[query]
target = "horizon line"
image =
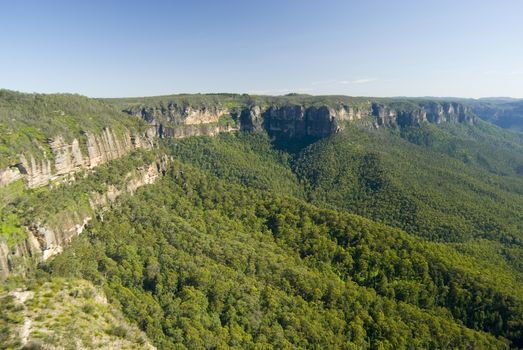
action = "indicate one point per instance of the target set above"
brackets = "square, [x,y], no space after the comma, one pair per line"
[253,93]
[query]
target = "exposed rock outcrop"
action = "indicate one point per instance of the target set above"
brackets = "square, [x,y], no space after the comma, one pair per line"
[397,115]
[8,175]
[66,158]
[298,120]
[180,121]
[287,120]
[46,239]
[179,114]
[183,131]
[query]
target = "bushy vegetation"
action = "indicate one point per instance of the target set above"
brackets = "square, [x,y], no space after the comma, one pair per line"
[220,264]
[226,251]
[449,188]
[65,314]
[28,120]
[382,239]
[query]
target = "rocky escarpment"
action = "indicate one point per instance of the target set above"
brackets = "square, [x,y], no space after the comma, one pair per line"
[180,121]
[178,114]
[279,120]
[297,120]
[67,158]
[401,115]
[48,236]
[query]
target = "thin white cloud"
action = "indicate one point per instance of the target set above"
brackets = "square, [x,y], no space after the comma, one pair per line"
[363,81]
[316,86]
[343,82]
[358,81]
[505,73]
[280,91]
[324,82]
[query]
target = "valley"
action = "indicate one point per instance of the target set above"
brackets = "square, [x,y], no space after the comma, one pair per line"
[296,221]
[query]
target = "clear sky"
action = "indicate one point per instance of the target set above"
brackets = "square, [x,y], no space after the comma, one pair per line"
[468,48]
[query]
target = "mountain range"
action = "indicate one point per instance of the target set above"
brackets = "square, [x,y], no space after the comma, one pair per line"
[240,221]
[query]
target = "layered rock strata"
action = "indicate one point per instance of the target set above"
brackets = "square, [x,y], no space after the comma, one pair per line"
[67,158]
[295,120]
[46,239]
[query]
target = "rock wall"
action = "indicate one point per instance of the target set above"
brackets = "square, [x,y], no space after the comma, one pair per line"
[69,158]
[295,120]
[289,120]
[178,114]
[46,239]
[195,130]
[8,175]
[300,121]
[431,112]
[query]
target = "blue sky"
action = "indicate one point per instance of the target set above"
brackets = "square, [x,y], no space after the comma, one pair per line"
[374,47]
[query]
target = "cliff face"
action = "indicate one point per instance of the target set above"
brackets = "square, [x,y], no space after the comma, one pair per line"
[297,120]
[286,121]
[398,116]
[60,160]
[177,114]
[182,121]
[182,131]
[69,158]
[45,239]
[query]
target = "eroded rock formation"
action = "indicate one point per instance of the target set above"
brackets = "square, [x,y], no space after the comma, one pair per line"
[48,238]
[396,115]
[60,160]
[67,158]
[296,120]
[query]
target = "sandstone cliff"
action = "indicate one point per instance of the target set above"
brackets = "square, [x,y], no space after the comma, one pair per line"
[48,236]
[59,160]
[67,158]
[179,121]
[284,119]
[400,115]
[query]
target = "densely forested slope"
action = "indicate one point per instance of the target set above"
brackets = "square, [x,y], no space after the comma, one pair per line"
[401,237]
[208,263]
[225,251]
[443,183]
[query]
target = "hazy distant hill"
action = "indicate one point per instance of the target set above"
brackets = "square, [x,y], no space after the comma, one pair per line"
[504,112]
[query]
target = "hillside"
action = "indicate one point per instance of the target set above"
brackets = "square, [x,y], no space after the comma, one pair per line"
[216,221]
[506,113]
[64,314]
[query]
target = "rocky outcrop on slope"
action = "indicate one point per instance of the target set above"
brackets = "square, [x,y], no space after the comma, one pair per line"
[285,120]
[400,115]
[178,114]
[8,175]
[180,121]
[65,314]
[298,120]
[67,158]
[46,239]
